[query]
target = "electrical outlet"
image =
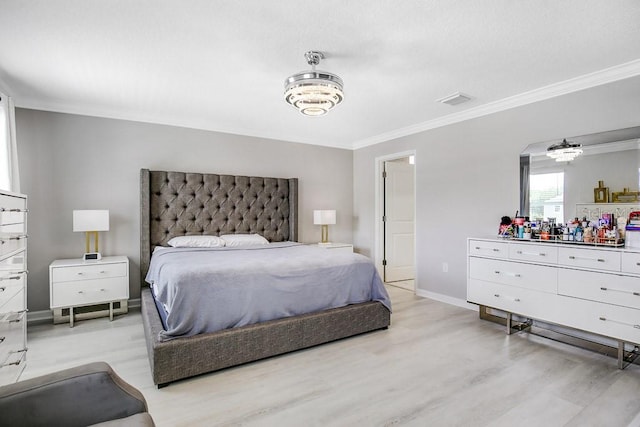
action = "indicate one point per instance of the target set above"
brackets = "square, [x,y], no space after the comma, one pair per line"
[445,267]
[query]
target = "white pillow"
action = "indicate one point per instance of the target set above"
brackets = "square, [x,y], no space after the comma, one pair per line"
[238,240]
[196,241]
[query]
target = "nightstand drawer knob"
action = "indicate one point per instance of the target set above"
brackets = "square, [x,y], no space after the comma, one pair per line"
[102,272]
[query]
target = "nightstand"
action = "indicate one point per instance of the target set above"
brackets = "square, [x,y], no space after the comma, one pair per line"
[341,247]
[76,283]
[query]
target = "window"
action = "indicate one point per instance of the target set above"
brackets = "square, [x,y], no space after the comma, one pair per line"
[546,196]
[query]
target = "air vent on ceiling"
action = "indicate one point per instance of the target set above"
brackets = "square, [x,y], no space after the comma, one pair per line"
[455,99]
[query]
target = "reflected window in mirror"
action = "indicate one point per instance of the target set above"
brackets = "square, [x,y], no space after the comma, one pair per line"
[546,197]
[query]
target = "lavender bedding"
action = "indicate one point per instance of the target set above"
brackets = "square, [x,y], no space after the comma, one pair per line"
[211,289]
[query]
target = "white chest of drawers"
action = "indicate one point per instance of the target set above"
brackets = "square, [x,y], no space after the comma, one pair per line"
[13,284]
[593,289]
[76,283]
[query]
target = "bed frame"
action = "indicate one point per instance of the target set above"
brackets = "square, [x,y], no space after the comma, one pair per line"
[179,203]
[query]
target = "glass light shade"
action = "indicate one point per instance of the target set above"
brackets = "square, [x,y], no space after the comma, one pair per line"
[91,220]
[314,93]
[324,217]
[565,151]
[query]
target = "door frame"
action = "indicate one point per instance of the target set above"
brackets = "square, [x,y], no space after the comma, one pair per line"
[378,239]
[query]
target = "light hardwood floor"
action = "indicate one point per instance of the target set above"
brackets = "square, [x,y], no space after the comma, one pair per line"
[437,365]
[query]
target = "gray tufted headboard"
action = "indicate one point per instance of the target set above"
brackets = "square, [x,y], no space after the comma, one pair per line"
[181,203]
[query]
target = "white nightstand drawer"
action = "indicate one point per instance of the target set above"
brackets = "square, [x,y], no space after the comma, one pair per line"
[535,277]
[88,272]
[602,287]
[631,262]
[533,252]
[488,248]
[88,292]
[590,258]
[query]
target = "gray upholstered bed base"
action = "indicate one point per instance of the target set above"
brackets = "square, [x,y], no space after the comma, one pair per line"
[178,203]
[186,357]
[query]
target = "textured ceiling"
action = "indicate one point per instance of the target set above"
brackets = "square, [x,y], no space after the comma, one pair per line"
[220,65]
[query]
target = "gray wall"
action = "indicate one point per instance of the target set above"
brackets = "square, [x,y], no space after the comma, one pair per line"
[467,174]
[72,162]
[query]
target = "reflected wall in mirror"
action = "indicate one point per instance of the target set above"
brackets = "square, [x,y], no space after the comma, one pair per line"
[565,190]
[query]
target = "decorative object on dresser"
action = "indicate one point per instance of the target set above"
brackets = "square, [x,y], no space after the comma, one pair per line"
[601,193]
[13,286]
[592,290]
[163,216]
[91,222]
[324,218]
[625,196]
[91,287]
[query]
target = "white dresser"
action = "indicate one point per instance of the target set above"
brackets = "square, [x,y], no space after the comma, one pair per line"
[77,283]
[13,286]
[593,289]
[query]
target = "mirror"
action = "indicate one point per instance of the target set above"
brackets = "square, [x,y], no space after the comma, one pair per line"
[605,178]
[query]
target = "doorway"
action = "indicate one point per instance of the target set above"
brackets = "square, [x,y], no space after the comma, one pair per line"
[396,245]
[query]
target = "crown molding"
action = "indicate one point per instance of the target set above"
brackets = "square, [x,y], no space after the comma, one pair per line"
[586,81]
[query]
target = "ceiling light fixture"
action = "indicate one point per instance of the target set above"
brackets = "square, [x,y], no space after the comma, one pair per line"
[564,151]
[313,92]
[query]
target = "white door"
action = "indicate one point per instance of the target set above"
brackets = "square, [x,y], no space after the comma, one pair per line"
[399,208]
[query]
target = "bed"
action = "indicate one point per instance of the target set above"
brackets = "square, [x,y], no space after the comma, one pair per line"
[179,203]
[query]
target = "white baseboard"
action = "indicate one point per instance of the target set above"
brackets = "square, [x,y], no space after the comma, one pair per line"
[46,316]
[446,299]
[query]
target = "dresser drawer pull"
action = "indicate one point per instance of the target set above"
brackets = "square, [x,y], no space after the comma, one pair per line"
[620,290]
[97,290]
[531,253]
[586,258]
[11,278]
[604,319]
[13,210]
[2,339]
[3,288]
[511,298]
[478,248]
[508,274]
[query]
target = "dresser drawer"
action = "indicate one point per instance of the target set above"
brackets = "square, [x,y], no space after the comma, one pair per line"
[12,334]
[10,286]
[87,272]
[617,322]
[526,302]
[12,209]
[528,276]
[589,258]
[488,248]
[602,287]
[13,366]
[69,294]
[536,253]
[631,262]
[12,242]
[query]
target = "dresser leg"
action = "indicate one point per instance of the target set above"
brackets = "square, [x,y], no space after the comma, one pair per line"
[71,317]
[111,311]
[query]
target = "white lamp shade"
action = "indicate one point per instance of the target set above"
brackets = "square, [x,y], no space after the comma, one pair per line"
[324,217]
[91,220]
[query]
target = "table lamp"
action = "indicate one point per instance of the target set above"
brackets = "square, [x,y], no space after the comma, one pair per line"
[91,222]
[324,218]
